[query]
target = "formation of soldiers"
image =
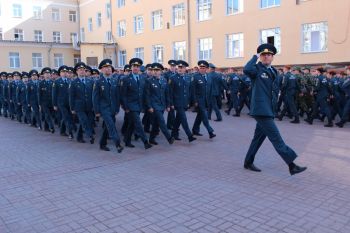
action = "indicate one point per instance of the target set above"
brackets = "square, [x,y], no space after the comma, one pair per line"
[74,99]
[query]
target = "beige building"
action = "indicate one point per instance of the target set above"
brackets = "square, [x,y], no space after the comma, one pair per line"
[224,32]
[38,33]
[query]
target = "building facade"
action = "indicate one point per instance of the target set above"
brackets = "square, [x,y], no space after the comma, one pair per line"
[35,34]
[224,32]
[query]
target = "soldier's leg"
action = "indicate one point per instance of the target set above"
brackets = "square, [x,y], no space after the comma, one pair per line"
[257,141]
[159,117]
[269,128]
[204,118]
[171,119]
[215,107]
[176,125]
[104,136]
[184,123]
[110,125]
[84,125]
[197,122]
[136,121]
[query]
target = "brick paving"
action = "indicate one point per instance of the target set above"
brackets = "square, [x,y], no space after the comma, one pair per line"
[50,184]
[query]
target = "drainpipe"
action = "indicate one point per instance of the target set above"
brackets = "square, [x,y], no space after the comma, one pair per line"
[189,33]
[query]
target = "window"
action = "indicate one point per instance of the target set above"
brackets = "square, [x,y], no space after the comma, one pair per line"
[158,53]
[204,9]
[234,6]
[272,36]
[37,60]
[38,36]
[1,35]
[76,59]
[14,60]
[17,10]
[56,14]
[179,14]
[108,36]
[73,37]
[205,48]
[121,28]
[108,10]
[72,16]
[180,50]
[37,13]
[18,34]
[138,24]
[120,3]
[99,19]
[56,37]
[315,37]
[157,20]
[269,3]
[90,24]
[121,58]
[139,52]
[234,45]
[58,59]
[82,34]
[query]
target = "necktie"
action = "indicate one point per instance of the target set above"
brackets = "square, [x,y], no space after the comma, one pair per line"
[109,80]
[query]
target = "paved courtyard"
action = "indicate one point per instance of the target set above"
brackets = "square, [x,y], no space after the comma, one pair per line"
[50,184]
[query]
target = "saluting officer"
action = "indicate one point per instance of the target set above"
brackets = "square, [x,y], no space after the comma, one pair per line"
[106,103]
[263,109]
[157,100]
[132,94]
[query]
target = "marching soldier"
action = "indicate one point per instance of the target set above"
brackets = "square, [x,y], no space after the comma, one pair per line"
[60,98]
[2,102]
[45,98]
[172,71]
[346,89]
[106,103]
[263,109]
[233,87]
[32,98]
[80,102]
[132,94]
[218,84]
[157,100]
[180,98]
[202,89]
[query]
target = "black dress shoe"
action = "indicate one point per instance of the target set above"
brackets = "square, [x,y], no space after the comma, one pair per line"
[340,124]
[147,145]
[295,121]
[191,139]
[296,169]
[120,148]
[279,117]
[171,140]
[52,130]
[237,115]
[104,148]
[251,167]
[64,134]
[81,140]
[227,112]
[177,138]
[218,120]
[308,121]
[129,145]
[330,124]
[92,140]
[153,142]
[212,135]
[70,137]
[197,134]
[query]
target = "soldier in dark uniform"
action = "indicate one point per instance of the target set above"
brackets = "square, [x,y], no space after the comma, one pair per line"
[215,95]
[106,103]
[21,99]
[233,83]
[60,98]
[290,88]
[126,72]
[345,86]
[2,102]
[6,95]
[80,102]
[32,98]
[157,98]
[95,74]
[45,98]
[180,98]
[132,94]
[263,109]
[322,92]
[202,85]
[12,94]
[171,71]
